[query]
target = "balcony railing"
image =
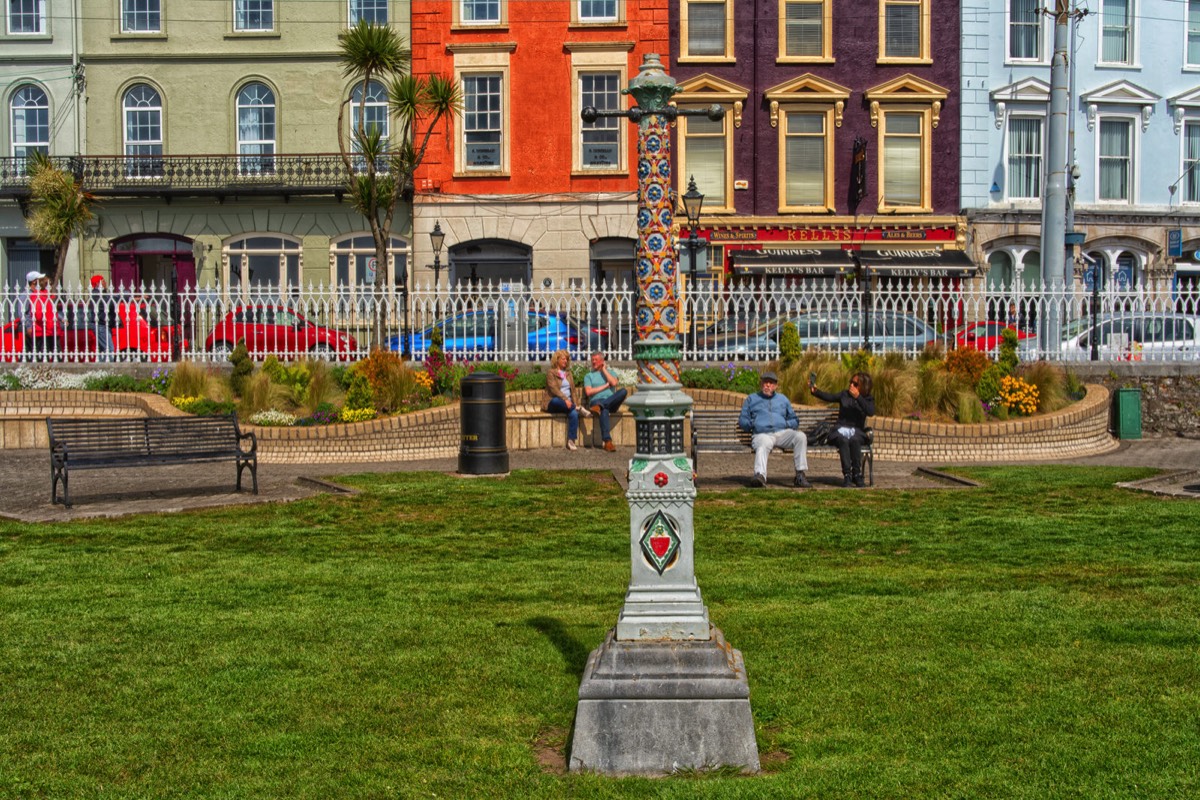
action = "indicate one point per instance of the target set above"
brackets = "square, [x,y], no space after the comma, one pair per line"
[196,175]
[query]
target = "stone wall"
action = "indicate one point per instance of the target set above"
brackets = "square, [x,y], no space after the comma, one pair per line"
[1170,394]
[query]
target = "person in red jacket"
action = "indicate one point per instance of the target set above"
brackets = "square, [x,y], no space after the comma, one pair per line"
[42,328]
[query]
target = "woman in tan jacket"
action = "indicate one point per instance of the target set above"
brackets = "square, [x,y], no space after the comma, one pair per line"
[560,395]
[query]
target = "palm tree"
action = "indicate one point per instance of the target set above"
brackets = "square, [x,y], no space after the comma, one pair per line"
[381,169]
[60,208]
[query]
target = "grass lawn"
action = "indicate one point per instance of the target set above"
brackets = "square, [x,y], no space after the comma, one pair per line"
[1038,637]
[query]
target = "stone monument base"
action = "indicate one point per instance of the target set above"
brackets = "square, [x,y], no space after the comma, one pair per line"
[650,708]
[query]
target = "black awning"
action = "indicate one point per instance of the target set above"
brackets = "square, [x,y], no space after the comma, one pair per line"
[797,262]
[918,263]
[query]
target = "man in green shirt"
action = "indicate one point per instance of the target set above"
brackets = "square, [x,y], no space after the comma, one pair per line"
[603,395]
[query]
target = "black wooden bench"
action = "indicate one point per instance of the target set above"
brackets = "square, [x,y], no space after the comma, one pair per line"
[146,442]
[716,431]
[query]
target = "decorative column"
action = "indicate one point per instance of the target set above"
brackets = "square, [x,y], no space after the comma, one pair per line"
[664,691]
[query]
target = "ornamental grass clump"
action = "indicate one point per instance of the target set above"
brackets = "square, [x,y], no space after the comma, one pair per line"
[1051,384]
[1020,397]
[190,380]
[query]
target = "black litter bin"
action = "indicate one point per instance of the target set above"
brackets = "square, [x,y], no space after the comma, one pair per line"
[484,450]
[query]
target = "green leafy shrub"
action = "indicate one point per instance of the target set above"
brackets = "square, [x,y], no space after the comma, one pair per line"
[858,361]
[357,414]
[112,383]
[243,367]
[359,395]
[704,378]
[789,345]
[203,406]
[324,414]
[341,375]
[1075,387]
[1008,358]
[526,380]
[988,386]
[273,368]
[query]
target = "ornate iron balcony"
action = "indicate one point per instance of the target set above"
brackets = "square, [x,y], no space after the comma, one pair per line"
[197,175]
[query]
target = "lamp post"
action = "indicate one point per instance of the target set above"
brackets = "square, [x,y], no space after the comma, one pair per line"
[437,239]
[1095,335]
[693,201]
[664,691]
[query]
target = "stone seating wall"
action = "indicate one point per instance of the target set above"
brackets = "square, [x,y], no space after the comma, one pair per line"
[1079,430]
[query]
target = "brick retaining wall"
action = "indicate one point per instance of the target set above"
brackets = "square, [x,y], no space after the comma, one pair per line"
[1079,430]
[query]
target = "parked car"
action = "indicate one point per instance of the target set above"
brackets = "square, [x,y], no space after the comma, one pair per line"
[1134,337]
[842,331]
[985,336]
[474,334]
[270,329]
[137,335]
[738,335]
[74,344]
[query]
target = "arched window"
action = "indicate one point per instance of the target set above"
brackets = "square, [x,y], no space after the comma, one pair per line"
[143,132]
[353,260]
[263,261]
[374,114]
[30,122]
[1000,271]
[256,129]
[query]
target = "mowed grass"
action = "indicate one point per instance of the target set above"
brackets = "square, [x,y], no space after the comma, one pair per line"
[1037,637]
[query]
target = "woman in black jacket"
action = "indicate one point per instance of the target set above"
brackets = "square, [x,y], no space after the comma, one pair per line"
[854,406]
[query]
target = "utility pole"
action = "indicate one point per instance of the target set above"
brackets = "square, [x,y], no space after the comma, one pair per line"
[1054,203]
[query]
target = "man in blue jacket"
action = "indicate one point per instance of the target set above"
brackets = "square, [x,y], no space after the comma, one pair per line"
[770,417]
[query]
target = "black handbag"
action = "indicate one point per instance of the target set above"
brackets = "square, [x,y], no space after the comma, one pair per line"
[821,432]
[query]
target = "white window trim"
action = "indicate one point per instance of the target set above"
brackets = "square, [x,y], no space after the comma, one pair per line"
[485,59]
[597,61]
[578,20]
[350,12]
[1134,51]
[1134,152]
[457,22]
[43,22]
[924,56]
[1192,119]
[1187,66]
[826,56]
[1047,31]
[728,57]
[343,246]
[12,129]
[159,31]
[254,31]
[1019,113]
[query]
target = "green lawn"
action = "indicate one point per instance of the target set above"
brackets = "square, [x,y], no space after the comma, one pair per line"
[1038,637]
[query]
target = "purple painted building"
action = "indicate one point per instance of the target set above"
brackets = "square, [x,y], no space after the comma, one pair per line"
[841,134]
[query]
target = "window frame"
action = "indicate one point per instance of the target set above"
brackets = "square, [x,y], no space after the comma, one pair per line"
[826,113]
[265,161]
[923,32]
[1008,155]
[710,206]
[353,19]
[685,56]
[1043,33]
[371,104]
[160,142]
[578,166]
[126,12]
[1191,176]
[241,5]
[461,167]
[925,190]
[577,17]
[826,55]
[28,146]
[1131,28]
[38,13]
[1132,122]
[1191,22]
[458,20]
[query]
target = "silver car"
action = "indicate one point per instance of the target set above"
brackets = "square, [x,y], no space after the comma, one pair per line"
[1134,337]
[842,331]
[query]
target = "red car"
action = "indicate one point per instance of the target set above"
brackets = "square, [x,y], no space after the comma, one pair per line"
[279,331]
[985,336]
[74,345]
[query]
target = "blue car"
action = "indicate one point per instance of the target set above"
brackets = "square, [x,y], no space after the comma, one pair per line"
[534,336]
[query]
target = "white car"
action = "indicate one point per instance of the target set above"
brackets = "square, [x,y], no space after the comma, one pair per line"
[1134,337]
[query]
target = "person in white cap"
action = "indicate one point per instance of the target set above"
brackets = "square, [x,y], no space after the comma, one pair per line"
[24,310]
[41,329]
[770,417]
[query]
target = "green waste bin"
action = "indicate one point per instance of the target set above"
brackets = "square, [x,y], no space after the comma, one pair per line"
[1129,414]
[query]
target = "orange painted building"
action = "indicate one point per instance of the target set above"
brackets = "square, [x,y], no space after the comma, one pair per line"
[524,191]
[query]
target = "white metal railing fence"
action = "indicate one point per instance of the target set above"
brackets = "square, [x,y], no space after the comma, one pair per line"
[492,322]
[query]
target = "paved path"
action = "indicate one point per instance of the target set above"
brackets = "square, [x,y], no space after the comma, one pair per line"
[25,478]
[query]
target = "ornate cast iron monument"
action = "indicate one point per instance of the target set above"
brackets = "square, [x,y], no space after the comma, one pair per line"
[664,691]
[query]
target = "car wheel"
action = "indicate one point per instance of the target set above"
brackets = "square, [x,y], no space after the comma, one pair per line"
[221,351]
[322,351]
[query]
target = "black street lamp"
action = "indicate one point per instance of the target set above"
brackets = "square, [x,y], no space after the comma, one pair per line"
[693,201]
[437,238]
